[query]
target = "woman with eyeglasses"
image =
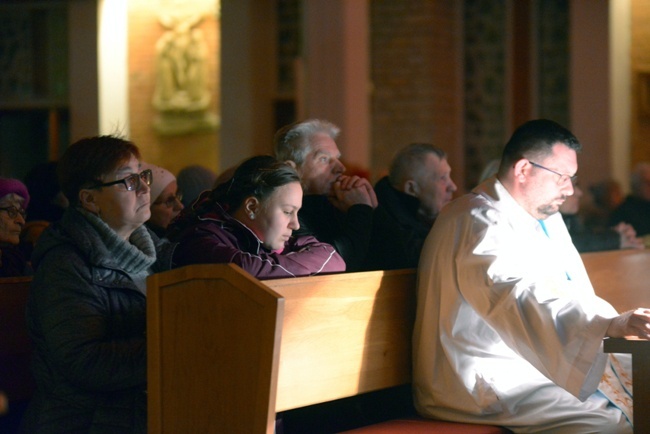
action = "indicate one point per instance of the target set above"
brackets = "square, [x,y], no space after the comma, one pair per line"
[249,221]
[87,306]
[14,199]
[165,199]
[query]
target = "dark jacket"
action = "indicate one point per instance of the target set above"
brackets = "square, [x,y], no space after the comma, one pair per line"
[348,232]
[218,238]
[398,234]
[87,318]
[587,240]
[13,261]
[633,211]
[159,231]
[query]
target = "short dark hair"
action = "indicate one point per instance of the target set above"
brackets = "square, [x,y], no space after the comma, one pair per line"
[86,161]
[409,159]
[535,139]
[293,142]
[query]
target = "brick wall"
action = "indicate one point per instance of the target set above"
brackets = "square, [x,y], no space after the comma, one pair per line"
[415,79]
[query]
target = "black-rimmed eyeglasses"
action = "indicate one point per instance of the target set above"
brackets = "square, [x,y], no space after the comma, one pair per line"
[131,182]
[562,178]
[13,212]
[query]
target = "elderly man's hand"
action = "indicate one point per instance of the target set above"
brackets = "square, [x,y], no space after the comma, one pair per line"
[352,190]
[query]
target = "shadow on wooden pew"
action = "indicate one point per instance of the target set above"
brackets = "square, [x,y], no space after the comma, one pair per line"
[16,380]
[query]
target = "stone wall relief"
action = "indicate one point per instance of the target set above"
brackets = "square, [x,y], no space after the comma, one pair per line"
[181,96]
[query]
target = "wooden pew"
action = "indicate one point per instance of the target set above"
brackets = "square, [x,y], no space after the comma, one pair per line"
[227,351]
[16,381]
[622,277]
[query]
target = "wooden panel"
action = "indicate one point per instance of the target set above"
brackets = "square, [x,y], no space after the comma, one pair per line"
[215,357]
[213,340]
[344,334]
[15,346]
[620,276]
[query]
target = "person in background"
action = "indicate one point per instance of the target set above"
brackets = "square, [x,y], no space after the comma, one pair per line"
[46,205]
[47,200]
[249,221]
[337,209]
[508,329]
[606,196]
[14,199]
[192,181]
[86,313]
[635,209]
[419,184]
[166,201]
[621,236]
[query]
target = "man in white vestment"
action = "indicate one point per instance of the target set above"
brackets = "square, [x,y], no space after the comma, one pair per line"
[508,329]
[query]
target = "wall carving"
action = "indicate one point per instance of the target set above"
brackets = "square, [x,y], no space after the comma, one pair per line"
[181,96]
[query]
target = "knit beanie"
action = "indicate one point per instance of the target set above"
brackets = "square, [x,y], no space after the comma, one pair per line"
[161,179]
[10,185]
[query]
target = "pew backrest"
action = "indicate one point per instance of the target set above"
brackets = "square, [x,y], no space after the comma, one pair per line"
[344,334]
[16,379]
[226,351]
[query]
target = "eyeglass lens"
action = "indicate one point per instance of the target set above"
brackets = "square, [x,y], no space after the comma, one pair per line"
[133,182]
[13,212]
[171,200]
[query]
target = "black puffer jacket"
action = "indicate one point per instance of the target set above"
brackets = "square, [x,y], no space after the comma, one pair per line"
[86,317]
[398,234]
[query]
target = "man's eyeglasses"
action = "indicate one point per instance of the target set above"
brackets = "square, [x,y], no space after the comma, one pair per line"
[170,201]
[562,178]
[13,212]
[131,182]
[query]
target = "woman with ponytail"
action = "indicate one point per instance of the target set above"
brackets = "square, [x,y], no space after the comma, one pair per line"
[248,220]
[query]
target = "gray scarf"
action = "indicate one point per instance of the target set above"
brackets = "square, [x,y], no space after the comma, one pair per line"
[135,256]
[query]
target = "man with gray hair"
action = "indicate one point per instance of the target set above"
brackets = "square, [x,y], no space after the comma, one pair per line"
[635,209]
[336,209]
[419,184]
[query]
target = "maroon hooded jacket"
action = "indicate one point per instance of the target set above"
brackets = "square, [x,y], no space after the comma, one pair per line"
[216,237]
